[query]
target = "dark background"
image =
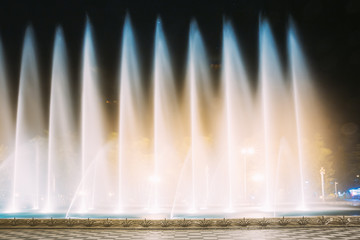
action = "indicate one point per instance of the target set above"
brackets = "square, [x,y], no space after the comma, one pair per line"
[329,32]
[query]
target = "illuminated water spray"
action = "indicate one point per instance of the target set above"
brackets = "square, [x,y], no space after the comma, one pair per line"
[130,105]
[199,90]
[281,121]
[61,126]
[237,103]
[300,83]
[92,125]
[29,125]
[164,103]
[178,146]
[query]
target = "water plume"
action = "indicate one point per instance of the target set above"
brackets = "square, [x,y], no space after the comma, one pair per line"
[92,122]
[130,126]
[236,95]
[165,112]
[200,94]
[273,94]
[30,125]
[221,145]
[62,144]
[306,104]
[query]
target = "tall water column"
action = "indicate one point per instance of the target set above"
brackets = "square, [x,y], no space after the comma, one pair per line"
[236,95]
[92,122]
[199,91]
[29,131]
[130,125]
[165,127]
[61,174]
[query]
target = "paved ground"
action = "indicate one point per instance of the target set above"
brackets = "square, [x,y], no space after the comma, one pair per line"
[273,234]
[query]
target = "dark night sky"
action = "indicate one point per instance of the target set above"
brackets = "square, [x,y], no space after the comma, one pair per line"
[329,31]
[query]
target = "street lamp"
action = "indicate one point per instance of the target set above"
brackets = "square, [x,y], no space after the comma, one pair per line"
[322,173]
[336,192]
[245,152]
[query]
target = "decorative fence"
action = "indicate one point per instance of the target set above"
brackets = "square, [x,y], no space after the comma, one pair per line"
[244,223]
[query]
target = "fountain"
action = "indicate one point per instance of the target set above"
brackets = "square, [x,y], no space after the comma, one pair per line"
[61,129]
[217,146]
[29,153]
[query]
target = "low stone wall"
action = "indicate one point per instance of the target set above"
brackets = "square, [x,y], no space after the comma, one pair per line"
[171,224]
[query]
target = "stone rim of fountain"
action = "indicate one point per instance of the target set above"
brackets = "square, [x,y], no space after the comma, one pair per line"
[181,224]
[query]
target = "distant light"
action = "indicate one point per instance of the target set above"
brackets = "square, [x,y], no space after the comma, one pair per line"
[215,66]
[248,151]
[154,179]
[355,192]
[257,177]
[251,150]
